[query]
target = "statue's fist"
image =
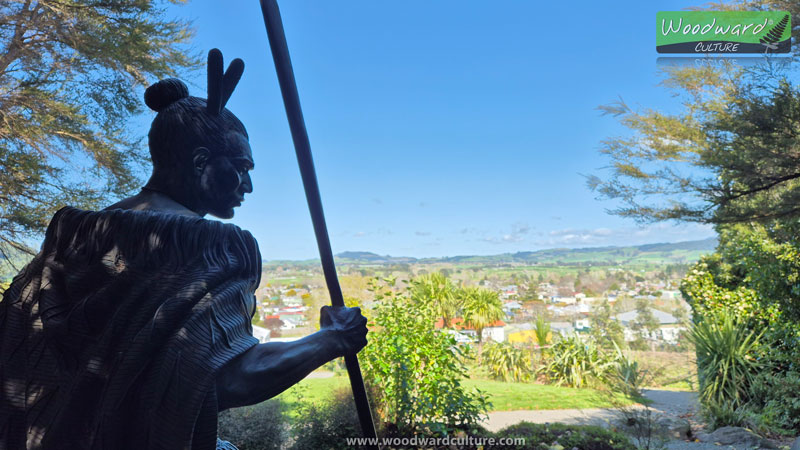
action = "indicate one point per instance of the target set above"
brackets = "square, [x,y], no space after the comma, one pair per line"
[349,328]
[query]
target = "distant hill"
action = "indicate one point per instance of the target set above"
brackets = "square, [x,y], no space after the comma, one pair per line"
[373,258]
[664,253]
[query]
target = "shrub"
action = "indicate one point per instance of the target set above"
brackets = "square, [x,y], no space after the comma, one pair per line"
[326,425]
[567,436]
[416,369]
[256,427]
[506,362]
[625,375]
[775,404]
[727,359]
[576,363]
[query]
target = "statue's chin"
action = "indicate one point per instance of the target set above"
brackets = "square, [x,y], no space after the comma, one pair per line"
[223,214]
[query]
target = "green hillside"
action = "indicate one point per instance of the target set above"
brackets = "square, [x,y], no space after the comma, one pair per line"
[663,253]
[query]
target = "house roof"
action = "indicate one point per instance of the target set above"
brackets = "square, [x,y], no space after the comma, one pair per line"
[458,324]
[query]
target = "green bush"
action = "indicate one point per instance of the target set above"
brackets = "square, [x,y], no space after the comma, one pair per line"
[775,404]
[576,363]
[506,362]
[544,436]
[415,369]
[326,425]
[753,277]
[625,375]
[257,427]
[727,359]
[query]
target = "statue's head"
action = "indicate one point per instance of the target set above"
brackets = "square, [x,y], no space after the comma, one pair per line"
[200,150]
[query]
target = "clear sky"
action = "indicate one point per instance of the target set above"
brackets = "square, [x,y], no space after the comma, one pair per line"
[441,127]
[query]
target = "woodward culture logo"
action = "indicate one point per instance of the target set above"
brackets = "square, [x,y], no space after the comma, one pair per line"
[723,32]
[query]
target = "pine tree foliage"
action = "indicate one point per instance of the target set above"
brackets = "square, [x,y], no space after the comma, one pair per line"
[730,155]
[71,75]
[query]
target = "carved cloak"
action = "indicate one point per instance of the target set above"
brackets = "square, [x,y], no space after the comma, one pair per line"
[111,337]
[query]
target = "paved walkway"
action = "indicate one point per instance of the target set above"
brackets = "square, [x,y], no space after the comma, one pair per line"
[501,419]
[675,403]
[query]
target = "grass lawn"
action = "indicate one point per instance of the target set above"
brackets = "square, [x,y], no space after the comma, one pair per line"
[504,396]
[516,396]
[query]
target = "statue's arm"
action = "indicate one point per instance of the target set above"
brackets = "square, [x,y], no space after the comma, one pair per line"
[268,369]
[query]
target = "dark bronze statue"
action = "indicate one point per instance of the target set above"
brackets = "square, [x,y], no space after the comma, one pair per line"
[131,328]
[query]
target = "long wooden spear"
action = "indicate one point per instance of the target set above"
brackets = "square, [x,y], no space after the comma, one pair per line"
[302,147]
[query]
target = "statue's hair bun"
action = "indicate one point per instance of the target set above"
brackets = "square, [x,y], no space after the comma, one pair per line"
[164,93]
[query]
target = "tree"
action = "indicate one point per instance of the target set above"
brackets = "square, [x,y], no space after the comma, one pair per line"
[273,324]
[439,291]
[645,324]
[482,308]
[71,74]
[605,330]
[729,157]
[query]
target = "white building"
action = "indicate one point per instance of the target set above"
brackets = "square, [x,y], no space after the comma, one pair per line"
[496,334]
[582,324]
[669,327]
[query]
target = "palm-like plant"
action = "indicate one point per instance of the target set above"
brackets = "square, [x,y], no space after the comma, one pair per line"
[727,358]
[575,363]
[506,362]
[482,308]
[437,289]
[542,331]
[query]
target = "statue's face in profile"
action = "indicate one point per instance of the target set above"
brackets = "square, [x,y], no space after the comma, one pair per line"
[223,177]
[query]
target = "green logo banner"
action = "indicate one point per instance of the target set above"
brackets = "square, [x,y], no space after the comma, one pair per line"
[723,32]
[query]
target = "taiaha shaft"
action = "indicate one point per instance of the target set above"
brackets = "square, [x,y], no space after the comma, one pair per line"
[302,146]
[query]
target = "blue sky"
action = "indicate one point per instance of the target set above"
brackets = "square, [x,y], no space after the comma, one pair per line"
[440,127]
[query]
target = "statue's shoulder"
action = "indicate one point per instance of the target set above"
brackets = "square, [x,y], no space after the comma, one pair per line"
[150,235]
[147,218]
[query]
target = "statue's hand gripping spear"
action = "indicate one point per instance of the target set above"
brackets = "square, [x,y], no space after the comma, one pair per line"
[291,101]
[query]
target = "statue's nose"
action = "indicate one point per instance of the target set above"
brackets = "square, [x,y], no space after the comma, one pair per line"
[247,184]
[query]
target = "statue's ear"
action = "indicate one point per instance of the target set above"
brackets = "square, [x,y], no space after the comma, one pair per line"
[200,157]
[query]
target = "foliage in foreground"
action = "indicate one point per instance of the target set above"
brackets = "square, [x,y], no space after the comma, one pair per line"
[727,361]
[417,369]
[257,427]
[72,73]
[566,436]
[776,403]
[753,278]
[328,424]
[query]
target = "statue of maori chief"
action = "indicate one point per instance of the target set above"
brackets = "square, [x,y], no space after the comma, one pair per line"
[131,327]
